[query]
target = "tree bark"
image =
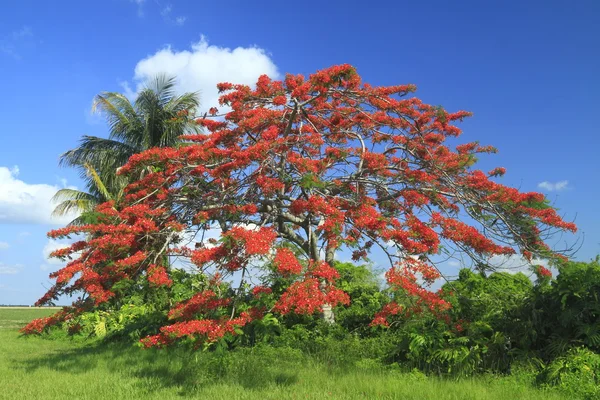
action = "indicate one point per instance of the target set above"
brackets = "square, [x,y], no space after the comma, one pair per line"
[328,315]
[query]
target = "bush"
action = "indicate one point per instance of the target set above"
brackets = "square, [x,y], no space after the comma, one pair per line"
[577,374]
[333,346]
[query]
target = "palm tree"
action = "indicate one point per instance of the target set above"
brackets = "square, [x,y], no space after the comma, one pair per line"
[72,200]
[157,118]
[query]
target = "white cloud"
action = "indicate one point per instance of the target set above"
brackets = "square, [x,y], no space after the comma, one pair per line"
[4,245]
[22,202]
[205,65]
[10,269]
[553,186]
[51,263]
[128,91]
[517,263]
[190,237]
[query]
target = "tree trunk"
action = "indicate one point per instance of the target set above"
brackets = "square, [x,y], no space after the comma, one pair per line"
[328,315]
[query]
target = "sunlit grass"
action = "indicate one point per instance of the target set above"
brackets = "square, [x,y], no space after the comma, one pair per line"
[16,317]
[36,368]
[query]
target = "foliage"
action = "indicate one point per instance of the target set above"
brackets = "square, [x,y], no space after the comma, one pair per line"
[494,313]
[502,320]
[366,297]
[577,374]
[297,171]
[568,309]
[32,367]
[498,323]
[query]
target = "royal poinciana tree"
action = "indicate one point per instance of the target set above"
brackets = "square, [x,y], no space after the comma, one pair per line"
[295,172]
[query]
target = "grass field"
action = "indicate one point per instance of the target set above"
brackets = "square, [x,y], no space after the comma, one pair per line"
[35,368]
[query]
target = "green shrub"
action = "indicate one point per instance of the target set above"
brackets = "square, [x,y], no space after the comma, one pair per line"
[577,374]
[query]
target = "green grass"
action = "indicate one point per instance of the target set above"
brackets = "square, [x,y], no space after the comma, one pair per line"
[36,368]
[16,317]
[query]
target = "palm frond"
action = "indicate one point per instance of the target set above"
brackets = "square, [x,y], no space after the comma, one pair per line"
[163,86]
[93,174]
[99,152]
[72,200]
[122,117]
[186,102]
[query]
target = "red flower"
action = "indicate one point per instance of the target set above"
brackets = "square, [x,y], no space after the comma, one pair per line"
[258,290]
[286,262]
[157,276]
[542,271]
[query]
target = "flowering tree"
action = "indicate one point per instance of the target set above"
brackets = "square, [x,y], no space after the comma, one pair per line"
[297,171]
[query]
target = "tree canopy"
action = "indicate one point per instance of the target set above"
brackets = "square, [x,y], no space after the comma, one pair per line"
[295,172]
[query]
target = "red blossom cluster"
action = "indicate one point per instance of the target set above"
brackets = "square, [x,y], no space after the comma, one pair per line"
[286,262]
[388,310]
[308,296]
[313,291]
[199,303]
[158,276]
[205,330]
[258,290]
[40,325]
[116,248]
[238,247]
[255,242]
[405,277]
[542,271]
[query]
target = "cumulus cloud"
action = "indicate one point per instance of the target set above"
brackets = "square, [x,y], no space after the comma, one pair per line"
[553,186]
[205,65]
[4,245]
[22,202]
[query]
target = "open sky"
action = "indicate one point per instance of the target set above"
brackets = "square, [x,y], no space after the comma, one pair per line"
[527,69]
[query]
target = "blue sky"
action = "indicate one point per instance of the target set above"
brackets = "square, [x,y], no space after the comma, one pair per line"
[528,71]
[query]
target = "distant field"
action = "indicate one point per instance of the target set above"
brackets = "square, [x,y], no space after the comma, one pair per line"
[36,368]
[16,317]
